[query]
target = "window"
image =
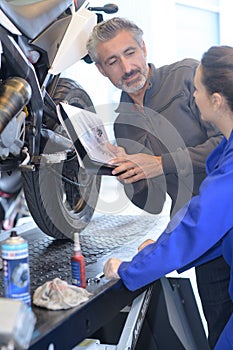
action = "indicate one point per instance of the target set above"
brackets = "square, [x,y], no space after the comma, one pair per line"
[197,28]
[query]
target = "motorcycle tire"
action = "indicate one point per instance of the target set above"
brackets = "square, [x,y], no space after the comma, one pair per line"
[62,197]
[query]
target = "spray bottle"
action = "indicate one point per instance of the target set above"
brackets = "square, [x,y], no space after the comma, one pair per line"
[78,264]
[16,268]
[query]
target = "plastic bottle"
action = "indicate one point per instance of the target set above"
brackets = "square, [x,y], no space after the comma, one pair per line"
[78,264]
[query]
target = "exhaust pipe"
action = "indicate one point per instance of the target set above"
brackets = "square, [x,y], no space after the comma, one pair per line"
[15,93]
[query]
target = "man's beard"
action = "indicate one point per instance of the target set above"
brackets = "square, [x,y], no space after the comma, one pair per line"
[134,85]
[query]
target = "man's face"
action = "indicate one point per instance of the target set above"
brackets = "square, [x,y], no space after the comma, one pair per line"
[123,61]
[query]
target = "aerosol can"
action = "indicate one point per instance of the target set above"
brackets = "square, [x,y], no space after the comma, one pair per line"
[16,268]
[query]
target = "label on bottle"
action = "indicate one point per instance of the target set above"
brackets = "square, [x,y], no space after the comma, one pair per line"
[78,271]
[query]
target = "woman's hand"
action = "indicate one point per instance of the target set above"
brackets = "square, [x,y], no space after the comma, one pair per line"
[145,243]
[111,267]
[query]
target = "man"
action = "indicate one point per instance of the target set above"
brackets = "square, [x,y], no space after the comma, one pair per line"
[160,128]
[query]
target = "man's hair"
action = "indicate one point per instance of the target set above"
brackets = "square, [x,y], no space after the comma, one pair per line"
[107,30]
[217,71]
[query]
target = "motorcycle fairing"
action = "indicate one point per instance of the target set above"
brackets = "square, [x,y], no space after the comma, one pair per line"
[62,51]
[73,45]
[32,17]
[6,23]
[50,39]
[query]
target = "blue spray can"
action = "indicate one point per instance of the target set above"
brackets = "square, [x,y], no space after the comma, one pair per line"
[16,268]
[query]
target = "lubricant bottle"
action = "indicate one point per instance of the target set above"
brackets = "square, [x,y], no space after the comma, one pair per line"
[16,268]
[78,264]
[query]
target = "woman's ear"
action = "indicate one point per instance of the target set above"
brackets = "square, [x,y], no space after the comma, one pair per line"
[216,100]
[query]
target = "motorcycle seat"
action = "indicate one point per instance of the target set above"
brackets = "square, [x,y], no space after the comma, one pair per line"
[32,17]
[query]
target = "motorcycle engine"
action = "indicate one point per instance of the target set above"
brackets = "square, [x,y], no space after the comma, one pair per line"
[12,137]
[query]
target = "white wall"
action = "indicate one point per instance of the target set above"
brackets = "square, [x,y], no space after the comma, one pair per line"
[226,23]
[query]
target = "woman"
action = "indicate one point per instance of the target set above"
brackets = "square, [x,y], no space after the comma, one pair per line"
[203,229]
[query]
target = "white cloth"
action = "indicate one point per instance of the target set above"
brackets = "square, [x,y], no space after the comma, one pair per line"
[58,295]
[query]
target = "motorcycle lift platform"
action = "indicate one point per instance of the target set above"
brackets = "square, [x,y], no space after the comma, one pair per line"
[113,315]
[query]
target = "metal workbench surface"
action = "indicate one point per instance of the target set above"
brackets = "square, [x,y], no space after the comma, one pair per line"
[50,258]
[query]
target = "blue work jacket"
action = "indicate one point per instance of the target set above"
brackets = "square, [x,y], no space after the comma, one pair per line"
[201,231]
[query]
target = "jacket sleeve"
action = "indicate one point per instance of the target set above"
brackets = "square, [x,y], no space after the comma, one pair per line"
[198,155]
[148,195]
[180,159]
[193,231]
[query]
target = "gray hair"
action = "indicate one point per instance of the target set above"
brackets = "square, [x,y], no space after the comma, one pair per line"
[107,30]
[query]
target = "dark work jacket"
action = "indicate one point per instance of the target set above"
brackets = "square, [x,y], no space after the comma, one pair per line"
[170,126]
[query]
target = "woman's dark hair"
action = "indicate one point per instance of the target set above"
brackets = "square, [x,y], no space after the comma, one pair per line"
[217,71]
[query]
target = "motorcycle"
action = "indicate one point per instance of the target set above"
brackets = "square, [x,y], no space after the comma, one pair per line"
[39,40]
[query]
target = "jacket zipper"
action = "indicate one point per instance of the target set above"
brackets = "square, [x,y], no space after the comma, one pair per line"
[170,102]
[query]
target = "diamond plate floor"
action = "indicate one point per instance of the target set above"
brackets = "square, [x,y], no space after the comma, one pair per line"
[50,258]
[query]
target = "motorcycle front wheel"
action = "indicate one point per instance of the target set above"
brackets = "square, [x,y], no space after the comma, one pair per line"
[62,197]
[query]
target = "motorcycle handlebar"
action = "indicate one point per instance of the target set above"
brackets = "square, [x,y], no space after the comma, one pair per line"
[108,8]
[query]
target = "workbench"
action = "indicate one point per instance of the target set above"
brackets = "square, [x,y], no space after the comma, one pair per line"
[50,258]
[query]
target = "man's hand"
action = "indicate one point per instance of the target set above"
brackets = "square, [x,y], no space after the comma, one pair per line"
[135,167]
[118,151]
[145,243]
[111,267]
